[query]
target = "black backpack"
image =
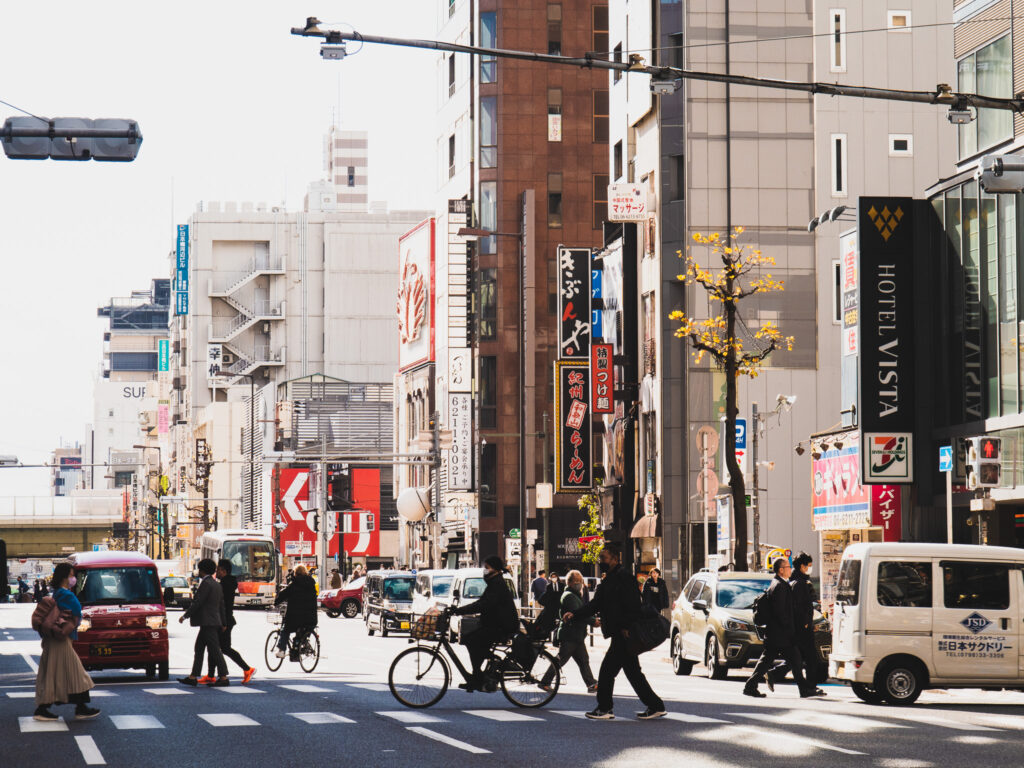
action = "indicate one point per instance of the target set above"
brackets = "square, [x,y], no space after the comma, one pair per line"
[762,609]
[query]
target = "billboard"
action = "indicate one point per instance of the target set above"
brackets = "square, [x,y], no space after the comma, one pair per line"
[838,498]
[163,355]
[298,537]
[364,520]
[574,291]
[574,430]
[460,455]
[602,372]
[181,271]
[415,302]
[885,339]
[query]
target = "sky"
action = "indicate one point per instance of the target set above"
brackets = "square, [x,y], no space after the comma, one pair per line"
[232,108]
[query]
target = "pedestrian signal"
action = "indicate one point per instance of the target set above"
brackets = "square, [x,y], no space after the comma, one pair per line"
[984,462]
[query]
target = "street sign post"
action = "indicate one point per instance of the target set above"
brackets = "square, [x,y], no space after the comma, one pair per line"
[946,467]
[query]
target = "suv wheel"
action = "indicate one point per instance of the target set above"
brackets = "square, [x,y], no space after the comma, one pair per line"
[350,608]
[716,670]
[680,665]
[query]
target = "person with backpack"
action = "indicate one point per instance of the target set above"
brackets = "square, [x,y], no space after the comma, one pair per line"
[617,601]
[61,678]
[572,636]
[804,598]
[774,611]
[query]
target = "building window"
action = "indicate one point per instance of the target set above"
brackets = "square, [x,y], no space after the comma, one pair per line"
[451,75]
[677,177]
[901,144]
[488,214]
[600,117]
[133,361]
[554,199]
[451,156]
[488,39]
[488,392]
[488,480]
[600,29]
[899,21]
[554,114]
[674,56]
[837,292]
[987,72]
[838,145]
[488,304]
[488,131]
[837,42]
[122,479]
[617,57]
[1009,352]
[351,175]
[600,199]
[617,161]
[555,29]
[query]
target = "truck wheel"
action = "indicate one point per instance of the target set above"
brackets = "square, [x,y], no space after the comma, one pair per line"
[900,681]
[866,693]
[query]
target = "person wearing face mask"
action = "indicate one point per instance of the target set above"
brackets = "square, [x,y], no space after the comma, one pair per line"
[498,621]
[572,636]
[61,677]
[617,601]
[804,598]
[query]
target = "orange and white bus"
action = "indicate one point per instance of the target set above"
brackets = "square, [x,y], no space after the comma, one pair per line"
[253,559]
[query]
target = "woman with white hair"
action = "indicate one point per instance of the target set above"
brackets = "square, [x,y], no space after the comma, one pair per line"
[572,635]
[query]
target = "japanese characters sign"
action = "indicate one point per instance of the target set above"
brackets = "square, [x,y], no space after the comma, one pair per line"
[627,202]
[574,291]
[573,433]
[885,511]
[181,271]
[839,500]
[602,373]
[460,422]
[214,360]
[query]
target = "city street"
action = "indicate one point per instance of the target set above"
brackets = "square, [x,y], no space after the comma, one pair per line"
[344,714]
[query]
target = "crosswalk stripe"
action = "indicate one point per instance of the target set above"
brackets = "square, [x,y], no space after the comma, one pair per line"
[307,688]
[30,725]
[237,689]
[942,722]
[829,721]
[21,694]
[90,751]
[168,691]
[380,687]
[223,720]
[135,722]
[684,717]
[319,718]
[503,715]
[449,740]
[96,692]
[409,716]
[741,734]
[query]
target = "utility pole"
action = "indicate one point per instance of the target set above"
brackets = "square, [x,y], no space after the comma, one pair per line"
[322,503]
[545,512]
[755,493]
[435,450]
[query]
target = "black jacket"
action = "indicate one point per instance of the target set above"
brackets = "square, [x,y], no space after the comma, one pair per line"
[617,600]
[301,598]
[780,630]
[803,601]
[496,606]
[655,594]
[207,608]
[229,586]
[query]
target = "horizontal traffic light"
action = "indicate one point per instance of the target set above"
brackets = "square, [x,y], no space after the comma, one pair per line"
[71,138]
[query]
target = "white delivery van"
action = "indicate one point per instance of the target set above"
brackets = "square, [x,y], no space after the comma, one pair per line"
[433,589]
[913,616]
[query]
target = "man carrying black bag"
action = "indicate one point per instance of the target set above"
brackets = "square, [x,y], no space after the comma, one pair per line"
[617,600]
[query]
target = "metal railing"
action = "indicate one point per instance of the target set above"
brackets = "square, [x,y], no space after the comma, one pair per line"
[229,282]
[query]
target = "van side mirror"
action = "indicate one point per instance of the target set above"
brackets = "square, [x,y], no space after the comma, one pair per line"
[701,605]
[455,593]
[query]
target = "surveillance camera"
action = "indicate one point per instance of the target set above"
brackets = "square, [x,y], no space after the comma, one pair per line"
[800,450]
[333,52]
[665,87]
[960,116]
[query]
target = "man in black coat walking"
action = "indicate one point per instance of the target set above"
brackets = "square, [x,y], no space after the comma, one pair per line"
[498,620]
[207,613]
[804,598]
[780,635]
[229,587]
[617,601]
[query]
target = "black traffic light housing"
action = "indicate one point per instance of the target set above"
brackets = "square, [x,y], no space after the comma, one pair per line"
[339,489]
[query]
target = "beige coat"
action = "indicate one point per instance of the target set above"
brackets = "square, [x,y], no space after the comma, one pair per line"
[61,673]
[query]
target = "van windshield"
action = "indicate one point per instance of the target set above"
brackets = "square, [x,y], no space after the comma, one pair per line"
[118,586]
[740,594]
[848,589]
[442,586]
[398,589]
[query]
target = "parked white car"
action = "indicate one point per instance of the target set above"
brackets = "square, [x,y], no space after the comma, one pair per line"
[467,586]
[433,589]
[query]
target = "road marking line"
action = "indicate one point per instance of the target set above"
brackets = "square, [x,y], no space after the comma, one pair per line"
[228,719]
[135,722]
[20,694]
[684,717]
[832,722]
[448,740]
[370,686]
[406,716]
[237,689]
[90,751]
[101,693]
[943,722]
[31,664]
[503,715]
[29,725]
[168,691]
[320,718]
[307,688]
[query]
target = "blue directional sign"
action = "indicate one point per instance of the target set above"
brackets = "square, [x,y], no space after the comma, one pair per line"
[945,458]
[597,324]
[741,434]
[596,283]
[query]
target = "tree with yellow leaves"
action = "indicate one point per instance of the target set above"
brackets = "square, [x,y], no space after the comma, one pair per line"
[717,337]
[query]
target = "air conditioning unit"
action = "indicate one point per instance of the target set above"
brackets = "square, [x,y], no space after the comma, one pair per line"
[227,358]
[275,311]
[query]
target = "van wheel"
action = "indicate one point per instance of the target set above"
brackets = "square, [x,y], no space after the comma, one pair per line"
[900,681]
[866,693]
[369,629]
[716,670]
[679,665]
[151,672]
[383,630]
[163,670]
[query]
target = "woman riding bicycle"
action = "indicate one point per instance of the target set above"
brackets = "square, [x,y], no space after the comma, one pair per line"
[498,620]
[301,614]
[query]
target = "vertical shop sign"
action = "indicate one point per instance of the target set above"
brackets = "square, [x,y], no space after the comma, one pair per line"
[574,431]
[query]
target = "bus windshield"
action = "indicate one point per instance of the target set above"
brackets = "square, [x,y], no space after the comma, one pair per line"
[250,560]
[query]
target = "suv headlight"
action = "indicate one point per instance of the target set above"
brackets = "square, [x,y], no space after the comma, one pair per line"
[738,625]
[85,625]
[155,622]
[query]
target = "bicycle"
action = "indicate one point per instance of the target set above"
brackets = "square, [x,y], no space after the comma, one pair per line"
[303,645]
[419,676]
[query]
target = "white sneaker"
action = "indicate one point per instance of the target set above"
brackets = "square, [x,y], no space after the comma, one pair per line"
[279,653]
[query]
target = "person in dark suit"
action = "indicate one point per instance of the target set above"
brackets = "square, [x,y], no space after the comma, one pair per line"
[229,586]
[207,613]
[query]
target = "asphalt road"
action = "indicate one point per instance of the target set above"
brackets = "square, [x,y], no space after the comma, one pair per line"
[343,714]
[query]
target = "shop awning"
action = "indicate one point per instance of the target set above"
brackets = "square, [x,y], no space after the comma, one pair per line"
[645,528]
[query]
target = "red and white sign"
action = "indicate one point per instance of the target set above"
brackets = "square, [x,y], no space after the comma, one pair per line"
[886,511]
[364,521]
[627,202]
[839,501]
[602,378]
[415,303]
[294,485]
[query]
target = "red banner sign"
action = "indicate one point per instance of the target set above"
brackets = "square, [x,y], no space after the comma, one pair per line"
[364,521]
[602,378]
[886,511]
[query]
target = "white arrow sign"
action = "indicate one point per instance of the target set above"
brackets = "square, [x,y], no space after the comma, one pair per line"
[361,523]
[288,501]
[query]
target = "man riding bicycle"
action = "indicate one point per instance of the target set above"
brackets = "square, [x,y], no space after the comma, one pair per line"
[300,617]
[498,621]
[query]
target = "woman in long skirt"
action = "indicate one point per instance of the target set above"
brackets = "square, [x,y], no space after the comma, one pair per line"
[61,678]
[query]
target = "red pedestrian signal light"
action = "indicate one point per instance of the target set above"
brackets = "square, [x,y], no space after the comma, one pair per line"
[990,448]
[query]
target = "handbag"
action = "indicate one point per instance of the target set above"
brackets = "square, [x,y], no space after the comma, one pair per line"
[50,621]
[649,631]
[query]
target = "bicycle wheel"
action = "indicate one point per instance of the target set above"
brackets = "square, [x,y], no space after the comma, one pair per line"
[309,653]
[270,650]
[419,677]
[522,686]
